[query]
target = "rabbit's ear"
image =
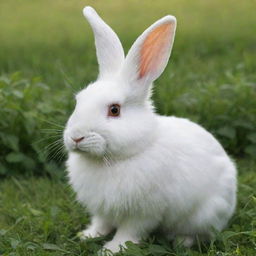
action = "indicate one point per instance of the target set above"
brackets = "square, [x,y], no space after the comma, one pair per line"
[149,55]
[110,53]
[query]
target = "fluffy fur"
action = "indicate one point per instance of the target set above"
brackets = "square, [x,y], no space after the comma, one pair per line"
[141,171]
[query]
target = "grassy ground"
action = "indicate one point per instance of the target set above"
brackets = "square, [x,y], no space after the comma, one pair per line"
[39,216]
[48,38]
[210,79]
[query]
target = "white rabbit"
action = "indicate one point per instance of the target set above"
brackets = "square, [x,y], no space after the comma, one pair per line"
[133,169]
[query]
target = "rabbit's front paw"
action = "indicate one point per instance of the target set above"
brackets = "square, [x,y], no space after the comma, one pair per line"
[90,232]
[113,246]
[97,228]
[116,245]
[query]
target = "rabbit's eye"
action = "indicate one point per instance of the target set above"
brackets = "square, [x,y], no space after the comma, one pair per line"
[114,110]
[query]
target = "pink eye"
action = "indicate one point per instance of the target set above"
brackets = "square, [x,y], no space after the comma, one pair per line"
[114,110]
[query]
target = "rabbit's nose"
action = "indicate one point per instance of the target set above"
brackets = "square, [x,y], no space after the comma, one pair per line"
[77,140]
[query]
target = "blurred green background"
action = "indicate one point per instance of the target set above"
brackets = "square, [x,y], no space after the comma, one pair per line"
[47,54]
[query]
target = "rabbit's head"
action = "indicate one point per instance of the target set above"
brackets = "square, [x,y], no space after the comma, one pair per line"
[114,116]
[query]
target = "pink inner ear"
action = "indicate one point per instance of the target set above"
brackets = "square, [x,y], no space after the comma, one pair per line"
[154,49]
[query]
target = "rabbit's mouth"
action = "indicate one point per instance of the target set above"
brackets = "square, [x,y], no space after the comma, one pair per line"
[93,144]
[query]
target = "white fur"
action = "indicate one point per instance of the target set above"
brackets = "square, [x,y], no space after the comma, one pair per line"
[142,171]
[109,49]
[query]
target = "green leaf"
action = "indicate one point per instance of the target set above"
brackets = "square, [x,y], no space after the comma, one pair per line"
[42,85]
[243,124]
[133,249]
[5,81]
[157,250]
[14,243]
[227,131]
[20,219]
[35,212]
[31,122]
[2,232]
[13,254]
[10,141]
[31,246]
[252,137]
[16,76]
[54,211]
[14,157]
[52,247]
[18,94]
[251,150]
[228,234]
[3,169]
[29,163]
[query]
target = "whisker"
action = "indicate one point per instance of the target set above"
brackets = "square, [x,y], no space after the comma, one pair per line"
[45,139]
[62,154]
[55,151]
[52,123]
[51,131]
[51,146]
[59,154]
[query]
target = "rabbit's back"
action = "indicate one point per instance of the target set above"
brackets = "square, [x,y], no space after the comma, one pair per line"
[202,176]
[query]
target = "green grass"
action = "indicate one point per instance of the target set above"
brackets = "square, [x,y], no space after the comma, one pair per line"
[39,216]
[47,54]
